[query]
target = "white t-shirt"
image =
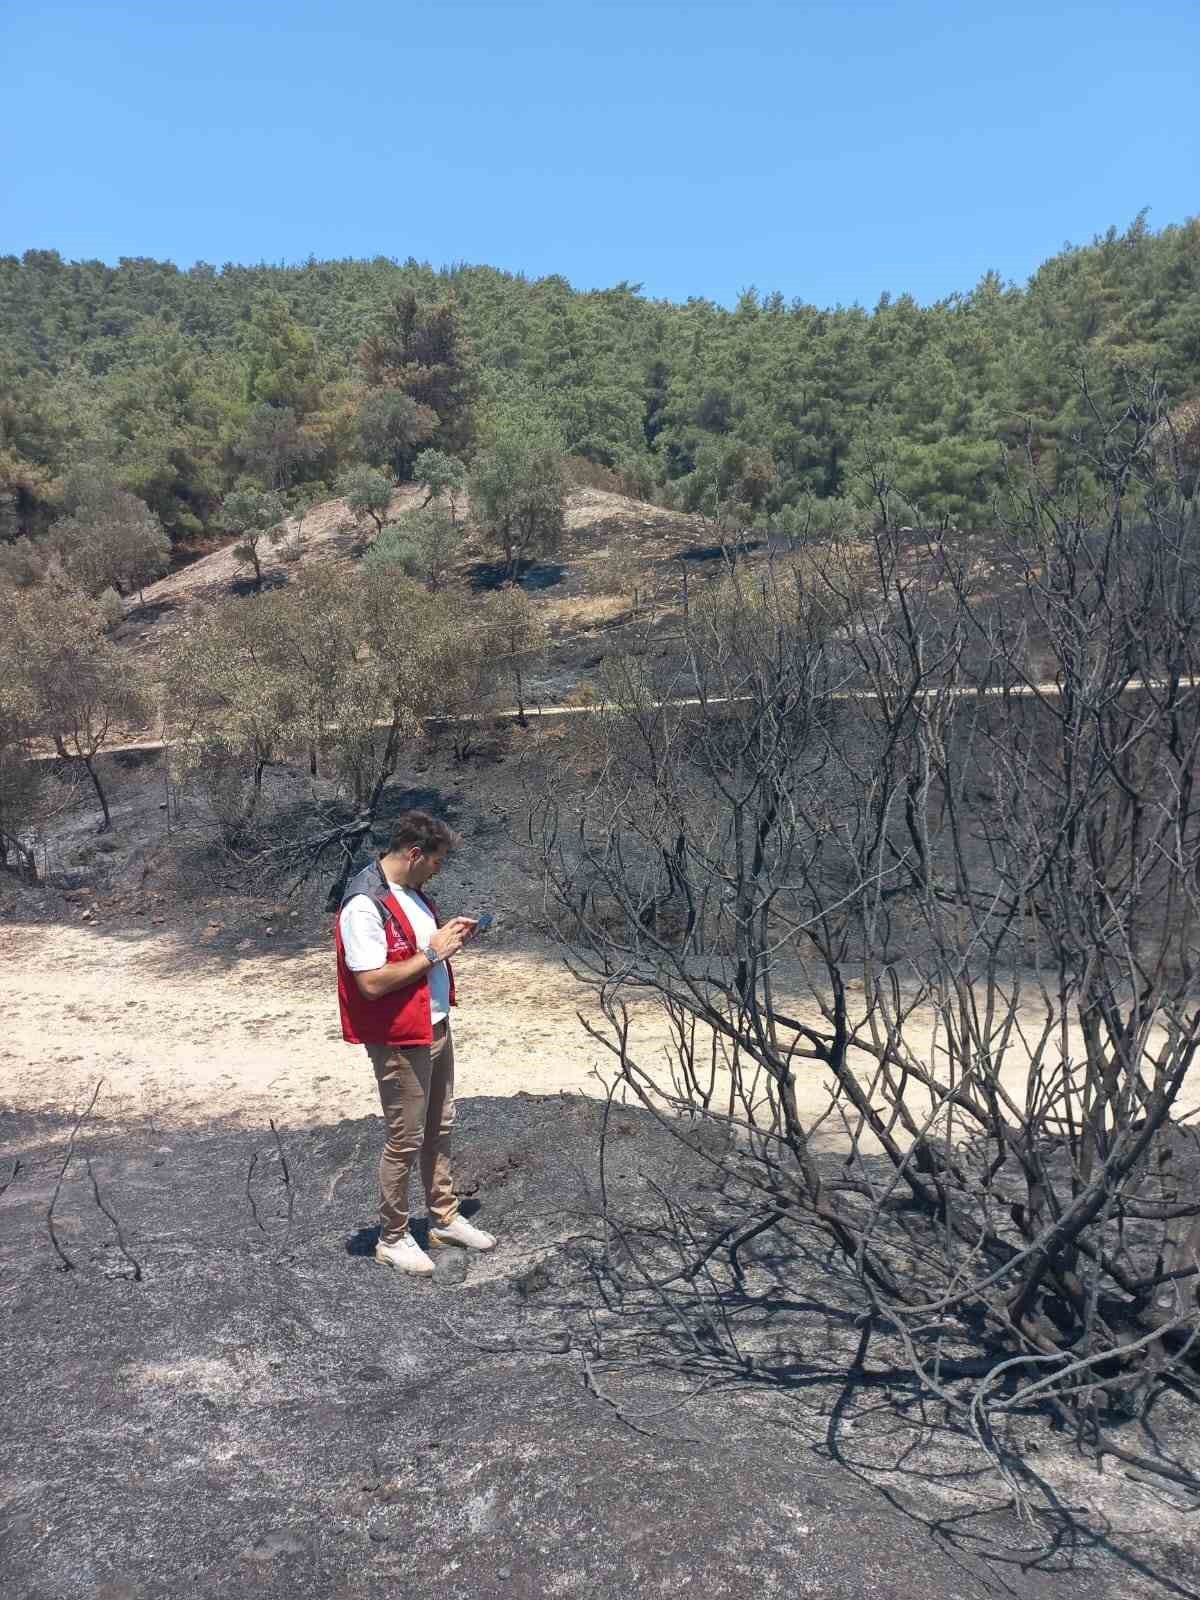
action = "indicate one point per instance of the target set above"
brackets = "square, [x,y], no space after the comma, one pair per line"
[365,942]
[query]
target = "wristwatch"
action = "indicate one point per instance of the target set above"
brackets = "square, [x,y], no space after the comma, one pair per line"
[430,954]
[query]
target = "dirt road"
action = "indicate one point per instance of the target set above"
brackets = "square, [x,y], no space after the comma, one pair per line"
[189,1033]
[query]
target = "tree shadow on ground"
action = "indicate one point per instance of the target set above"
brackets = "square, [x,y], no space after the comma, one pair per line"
[135,760]
[532,576]
[717,552]
[145,613]
[1054,1538]
[272,578]
[791,1338]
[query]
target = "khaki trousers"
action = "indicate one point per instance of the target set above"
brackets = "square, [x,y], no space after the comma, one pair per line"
[416,1089]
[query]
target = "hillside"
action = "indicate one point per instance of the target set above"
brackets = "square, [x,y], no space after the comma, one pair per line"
[614,546]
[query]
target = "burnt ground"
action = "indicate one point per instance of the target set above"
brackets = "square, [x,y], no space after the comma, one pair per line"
[268,1413]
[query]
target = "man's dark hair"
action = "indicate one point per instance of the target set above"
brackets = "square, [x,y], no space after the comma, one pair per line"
[426,833]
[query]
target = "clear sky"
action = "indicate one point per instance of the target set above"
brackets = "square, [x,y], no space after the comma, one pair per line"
[827,150]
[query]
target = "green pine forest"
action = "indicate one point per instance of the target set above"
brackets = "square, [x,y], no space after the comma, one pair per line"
[185,385]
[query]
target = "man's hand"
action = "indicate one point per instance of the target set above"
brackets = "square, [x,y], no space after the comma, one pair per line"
[450,938]
[447,941]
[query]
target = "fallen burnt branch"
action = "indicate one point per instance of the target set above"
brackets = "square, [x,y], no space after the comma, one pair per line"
[288,865]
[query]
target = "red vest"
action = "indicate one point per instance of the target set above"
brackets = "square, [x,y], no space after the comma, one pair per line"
[401,1017]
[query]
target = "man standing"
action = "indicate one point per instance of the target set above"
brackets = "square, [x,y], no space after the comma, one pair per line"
[395,989]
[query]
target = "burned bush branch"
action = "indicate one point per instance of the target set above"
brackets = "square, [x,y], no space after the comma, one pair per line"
[285,1178]
[67,1264]
[929,838]
[106,1209]
[285,1181]
[251,1201]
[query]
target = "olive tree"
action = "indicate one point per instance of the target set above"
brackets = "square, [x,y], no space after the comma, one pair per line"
[300,502]
[372,678]
[518,489]
[441,475]
[330,666]
[255,516]
[110,539]
[83,692]
[229,710]
[20,776]
[367,493]
[122,547]
[516,631]
[111,608]
[24,561]
[423,543]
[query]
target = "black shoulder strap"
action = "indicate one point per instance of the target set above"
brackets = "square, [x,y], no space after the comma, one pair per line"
[380,897]
[371,882]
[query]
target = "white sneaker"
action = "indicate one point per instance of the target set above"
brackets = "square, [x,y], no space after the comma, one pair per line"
[460,1232]
[405,1255]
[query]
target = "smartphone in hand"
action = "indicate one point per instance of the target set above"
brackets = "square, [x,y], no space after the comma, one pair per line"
[484,922]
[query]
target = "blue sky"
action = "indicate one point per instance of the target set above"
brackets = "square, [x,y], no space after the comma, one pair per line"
[830,151]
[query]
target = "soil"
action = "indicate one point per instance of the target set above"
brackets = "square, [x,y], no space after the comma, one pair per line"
[225,1394]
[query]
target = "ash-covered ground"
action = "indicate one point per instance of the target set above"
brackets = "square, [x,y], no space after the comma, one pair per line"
[266,1412]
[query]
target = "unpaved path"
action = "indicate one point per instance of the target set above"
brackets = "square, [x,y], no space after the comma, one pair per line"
[535,712]
[187,1034]
[188,1037]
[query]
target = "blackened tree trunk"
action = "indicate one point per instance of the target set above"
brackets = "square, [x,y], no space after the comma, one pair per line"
[90,764]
